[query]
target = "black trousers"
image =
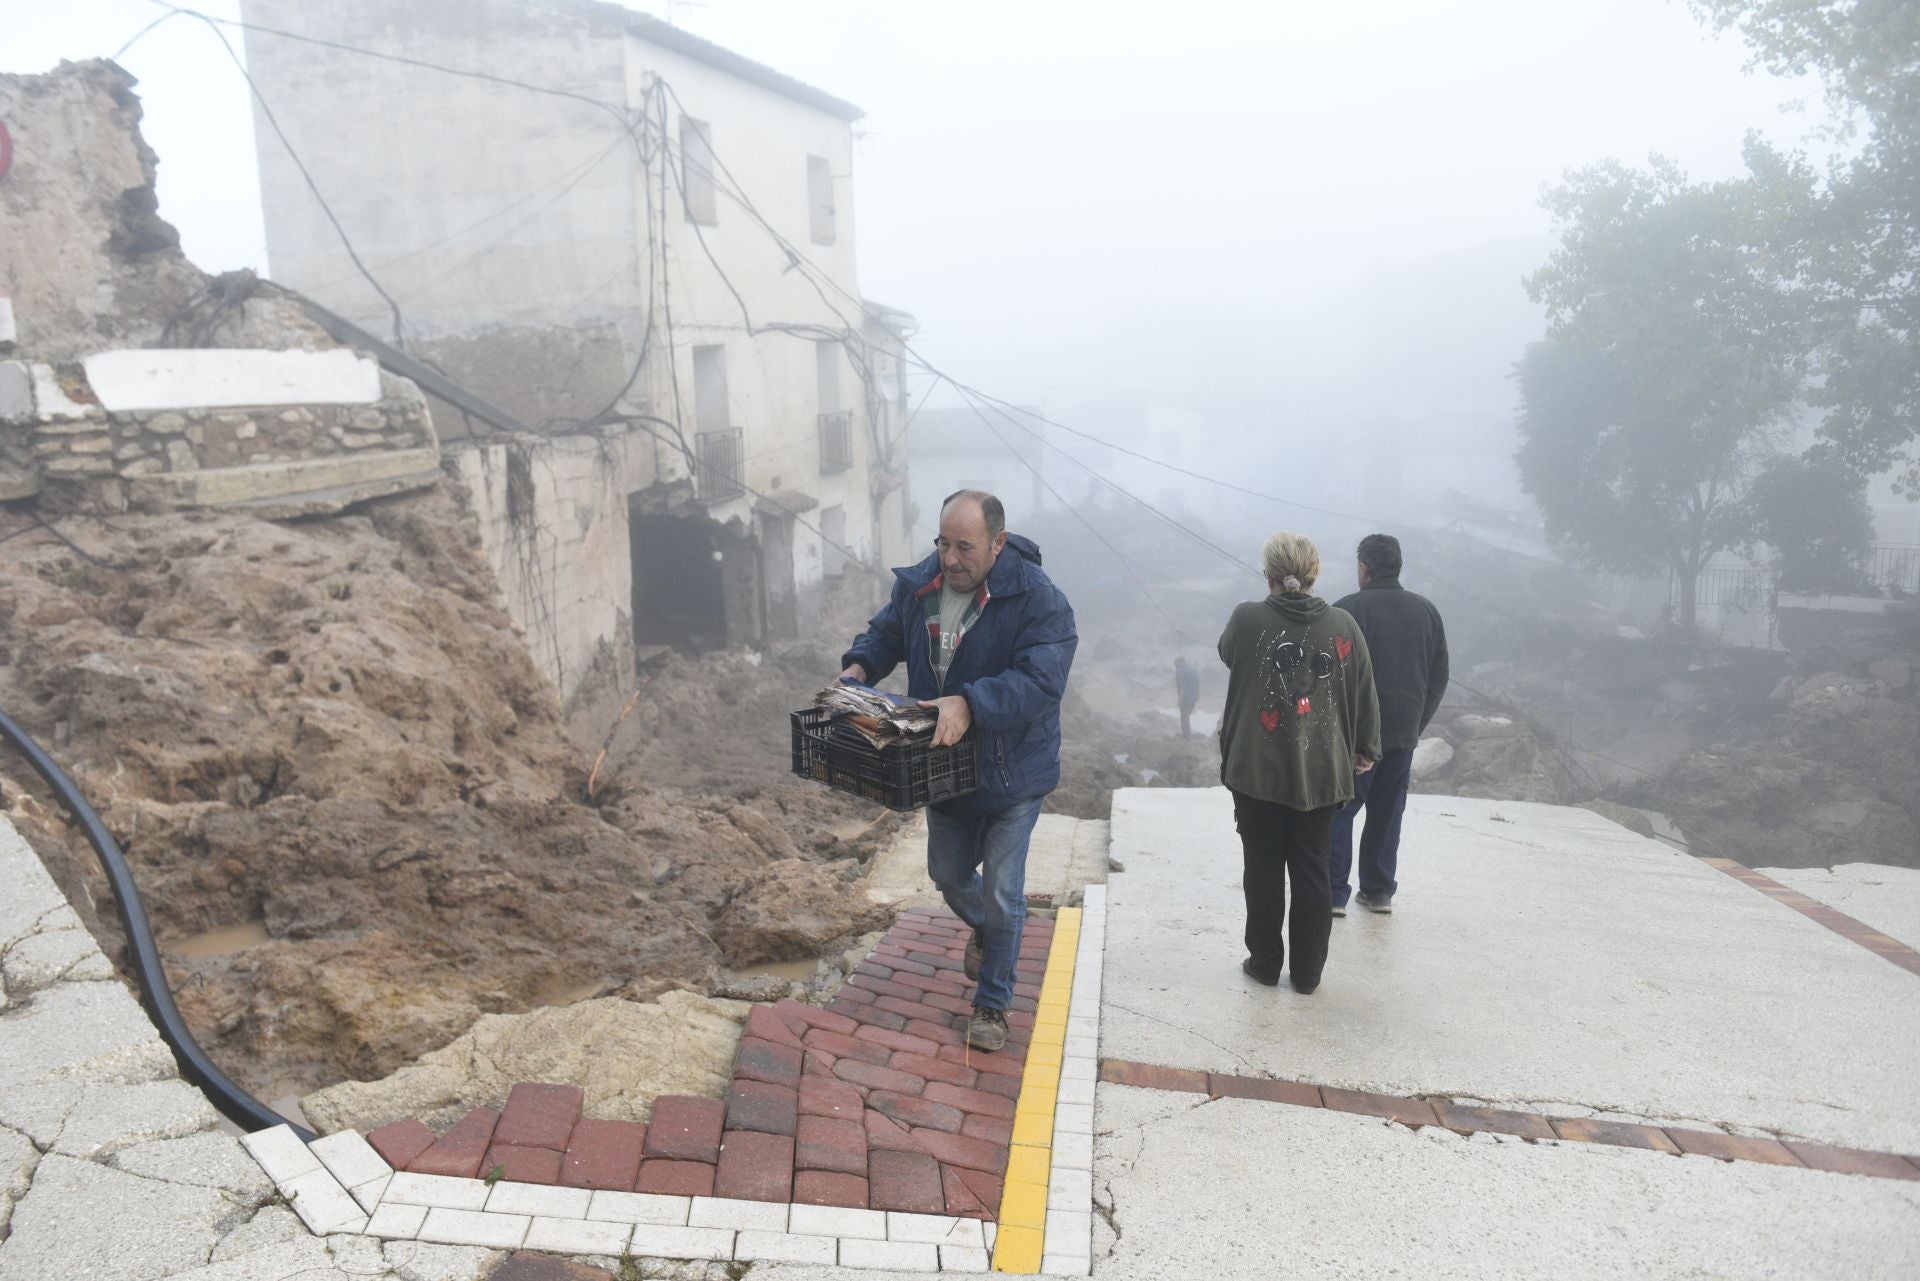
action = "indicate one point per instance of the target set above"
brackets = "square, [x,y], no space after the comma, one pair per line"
[1278,844]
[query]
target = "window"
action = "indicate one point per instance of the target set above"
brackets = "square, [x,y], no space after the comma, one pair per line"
[836,424]
[820,199]
[696,171]
[710,388]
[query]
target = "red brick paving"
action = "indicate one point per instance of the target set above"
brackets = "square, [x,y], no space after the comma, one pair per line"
[874,1101]
[754,1166]
[522,1165]
[1839,922]
[460,1150]
[603,1155]
[539,1116]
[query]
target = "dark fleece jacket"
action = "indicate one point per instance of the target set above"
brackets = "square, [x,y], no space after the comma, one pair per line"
[1409,648]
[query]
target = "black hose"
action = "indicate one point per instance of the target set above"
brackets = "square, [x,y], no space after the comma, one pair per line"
[234,1103]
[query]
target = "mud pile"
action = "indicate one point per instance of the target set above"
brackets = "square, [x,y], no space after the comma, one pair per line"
[331,729]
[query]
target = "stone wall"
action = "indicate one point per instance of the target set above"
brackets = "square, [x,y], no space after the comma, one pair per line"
[62,442]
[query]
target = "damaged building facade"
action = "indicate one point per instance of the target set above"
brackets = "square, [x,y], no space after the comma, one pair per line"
[642,249]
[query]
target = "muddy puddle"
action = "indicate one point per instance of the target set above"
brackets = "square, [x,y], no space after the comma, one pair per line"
[221,942]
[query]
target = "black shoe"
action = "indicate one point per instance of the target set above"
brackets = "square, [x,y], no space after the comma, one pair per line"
[1305,989]
[1372,904]
[987,1029]
[1246,968]
[975,954]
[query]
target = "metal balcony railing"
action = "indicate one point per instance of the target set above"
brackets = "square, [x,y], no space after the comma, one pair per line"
[836,441]
[717,469]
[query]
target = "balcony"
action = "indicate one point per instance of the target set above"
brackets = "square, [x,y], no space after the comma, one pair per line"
[718,458]
[836,441]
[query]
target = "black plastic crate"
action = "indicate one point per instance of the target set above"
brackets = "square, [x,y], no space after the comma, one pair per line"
[900,776]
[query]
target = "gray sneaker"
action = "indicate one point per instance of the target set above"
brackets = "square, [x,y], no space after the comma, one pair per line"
[1372,904]
[975,954]
[987,1029]
[1339,909]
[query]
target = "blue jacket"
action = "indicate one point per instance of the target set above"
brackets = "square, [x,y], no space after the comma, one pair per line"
[1011,667]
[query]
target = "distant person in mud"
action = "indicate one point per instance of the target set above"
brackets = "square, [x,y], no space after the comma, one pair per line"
[1186,687]
[988,640]
[1409,648]
[1300,723]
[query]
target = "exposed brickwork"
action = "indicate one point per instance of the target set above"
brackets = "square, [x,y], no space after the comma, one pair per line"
[460,1150]
[539,1116]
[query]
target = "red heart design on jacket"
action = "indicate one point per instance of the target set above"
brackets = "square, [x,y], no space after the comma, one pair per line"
[1343,647]
[1270,720]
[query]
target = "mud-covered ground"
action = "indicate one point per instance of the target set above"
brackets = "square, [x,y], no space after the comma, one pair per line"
[330,728]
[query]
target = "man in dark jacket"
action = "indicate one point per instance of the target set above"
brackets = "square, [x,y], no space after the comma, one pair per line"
[988,640]
[1409,649]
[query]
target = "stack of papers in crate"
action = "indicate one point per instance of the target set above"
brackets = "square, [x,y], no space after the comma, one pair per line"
[874,715]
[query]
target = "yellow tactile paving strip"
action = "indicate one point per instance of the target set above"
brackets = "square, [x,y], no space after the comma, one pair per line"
[1023,1202]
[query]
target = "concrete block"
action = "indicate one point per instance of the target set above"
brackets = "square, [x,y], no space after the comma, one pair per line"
[1079,1067]
[1070,1232]
[640,1207]
[784,1247]
[1084,1047]
[322,1204]
[964,1258]
[1070,1190]
[9,334]
[898,1256]
[1064,1265]
[50,401]
[280,1153]
[729,1212]
[437,1190]
[1073,1118]
[350,1158]
[397,1222]
[1072,1151]
[838,1221]
[540,1200]
[157,378]
[472,1227]
[578,1236]
[935,1229]
[370,1194]
[16,392]
[663,1242]
[1076,1091]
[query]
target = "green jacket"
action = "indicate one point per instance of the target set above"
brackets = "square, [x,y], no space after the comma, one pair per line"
[1300,702]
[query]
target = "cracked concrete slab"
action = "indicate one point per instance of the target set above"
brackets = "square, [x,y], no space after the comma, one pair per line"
[31,893]
[65,953]
[1237,1188]
[87,1031]
[1064,857]
[84,1219]
[109,1117]
[209,1159]
[1886,898]
[18,1157]
[1535,953]
[270,1225]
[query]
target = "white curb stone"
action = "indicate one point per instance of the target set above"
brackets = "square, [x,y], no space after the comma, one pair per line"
[964,1258]
[741,1216]
[539,1199]
[322,1204]
[934,1229]
[280,1153]
[785,1247]
[438,1191]
[350,1158]
[640,1207]
[838,1221]
[397,1222]
[578,1236]
[661,1241]
[472,1227]
[900,1256]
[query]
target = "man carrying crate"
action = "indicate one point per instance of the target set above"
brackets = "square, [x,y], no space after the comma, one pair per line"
[988,640]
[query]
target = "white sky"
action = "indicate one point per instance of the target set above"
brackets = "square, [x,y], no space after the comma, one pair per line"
[1094,198]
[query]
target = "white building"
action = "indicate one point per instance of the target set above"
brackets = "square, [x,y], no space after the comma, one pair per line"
[640,244]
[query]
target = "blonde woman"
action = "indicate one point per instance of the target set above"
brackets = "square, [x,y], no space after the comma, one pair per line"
[1301,720]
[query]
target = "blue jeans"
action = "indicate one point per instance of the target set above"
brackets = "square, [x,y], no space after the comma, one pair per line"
[959,850]
[1382,790]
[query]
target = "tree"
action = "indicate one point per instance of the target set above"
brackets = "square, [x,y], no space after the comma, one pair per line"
[1668,374]
[1844,247]
[1811,511]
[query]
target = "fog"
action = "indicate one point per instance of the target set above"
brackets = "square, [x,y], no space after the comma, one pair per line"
[1274,235]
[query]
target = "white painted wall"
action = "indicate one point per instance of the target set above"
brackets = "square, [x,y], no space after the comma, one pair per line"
[208,378]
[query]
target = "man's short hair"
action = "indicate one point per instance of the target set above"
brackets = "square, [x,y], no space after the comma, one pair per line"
[1380,553]
[990,508]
